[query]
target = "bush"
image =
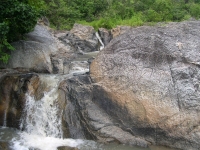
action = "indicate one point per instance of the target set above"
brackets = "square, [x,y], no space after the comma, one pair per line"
[17,17]
[153,16]
[195,10]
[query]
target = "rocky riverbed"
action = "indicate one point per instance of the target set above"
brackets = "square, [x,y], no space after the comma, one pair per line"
[142,89]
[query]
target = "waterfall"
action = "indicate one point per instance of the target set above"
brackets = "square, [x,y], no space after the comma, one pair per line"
[5,118]
[41,121]
[42,117]
[102,45]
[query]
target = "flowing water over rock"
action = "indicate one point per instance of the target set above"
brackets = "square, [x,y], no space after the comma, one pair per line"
[24,141]
[111,100]
[41,123]
[41,120]
[102,44]
[42,117]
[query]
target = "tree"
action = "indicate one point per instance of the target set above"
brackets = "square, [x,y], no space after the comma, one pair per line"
[17,17]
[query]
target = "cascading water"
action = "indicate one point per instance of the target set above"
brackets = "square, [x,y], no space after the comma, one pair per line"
[41,121]
[4,118]
[102,45]
[42,117]
[41,126]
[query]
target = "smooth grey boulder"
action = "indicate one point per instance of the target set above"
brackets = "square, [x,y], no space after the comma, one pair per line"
[150,80]
[34,52]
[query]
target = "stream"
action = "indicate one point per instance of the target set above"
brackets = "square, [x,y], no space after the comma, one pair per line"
[19,140]
[41,125]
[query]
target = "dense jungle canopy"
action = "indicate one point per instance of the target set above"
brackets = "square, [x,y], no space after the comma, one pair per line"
[18,17]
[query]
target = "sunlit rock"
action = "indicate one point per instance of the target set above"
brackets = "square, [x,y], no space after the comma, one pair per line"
[148,79]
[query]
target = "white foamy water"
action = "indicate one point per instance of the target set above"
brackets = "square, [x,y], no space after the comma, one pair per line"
[41,117]
[4,118]
[41,121]
[28,141]
[102,45]
[79,67]
[41,126]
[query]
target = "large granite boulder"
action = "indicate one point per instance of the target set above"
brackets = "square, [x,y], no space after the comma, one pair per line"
[148,79]
[34,52]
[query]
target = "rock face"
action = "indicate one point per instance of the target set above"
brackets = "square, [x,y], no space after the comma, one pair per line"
[119,30]
[34,52]
[82,38]
[4,146]
[73,44]
[148,80]
[12,97]
[86,119]
[108,35]
[105,35]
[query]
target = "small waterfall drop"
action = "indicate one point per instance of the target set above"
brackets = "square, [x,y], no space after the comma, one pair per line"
[42,117]
[102,45]
[5,118]
[41,121]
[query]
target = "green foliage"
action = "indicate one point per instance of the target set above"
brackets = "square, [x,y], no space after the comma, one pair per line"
[153,16]
[17,17]
[110,13]
[195,10]
[179,10]
[64,13]
[163,7]
[4,29]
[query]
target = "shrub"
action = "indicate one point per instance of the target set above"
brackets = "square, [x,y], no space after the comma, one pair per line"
[195,10]
[17,17]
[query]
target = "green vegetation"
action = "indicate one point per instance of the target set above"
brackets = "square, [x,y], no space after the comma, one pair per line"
[18,17]
[110,13]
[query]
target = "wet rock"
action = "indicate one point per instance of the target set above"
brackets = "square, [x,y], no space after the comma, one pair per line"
[13,88]
[73,45]
[79,66]
[4,146]
[33,148]
[57,65]
[148,80]
[105,35]
[82,38]
[4,72]
[34,52]
[67,148]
